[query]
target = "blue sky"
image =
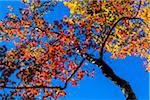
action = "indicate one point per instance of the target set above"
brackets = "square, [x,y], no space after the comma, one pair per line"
[99,87]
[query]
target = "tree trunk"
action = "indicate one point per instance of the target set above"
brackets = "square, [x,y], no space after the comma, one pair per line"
[124,85]
[108,72]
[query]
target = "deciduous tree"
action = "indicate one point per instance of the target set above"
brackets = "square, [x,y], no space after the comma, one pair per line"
[47,57]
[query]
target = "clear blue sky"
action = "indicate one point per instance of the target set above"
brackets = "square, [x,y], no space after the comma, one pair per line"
[99,87]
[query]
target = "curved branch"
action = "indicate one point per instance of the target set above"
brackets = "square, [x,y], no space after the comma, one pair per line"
[109,33]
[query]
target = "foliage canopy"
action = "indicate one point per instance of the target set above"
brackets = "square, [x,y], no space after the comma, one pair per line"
[47,54]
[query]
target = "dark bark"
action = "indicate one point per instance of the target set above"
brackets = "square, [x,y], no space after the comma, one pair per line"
[110,74]
[124,85]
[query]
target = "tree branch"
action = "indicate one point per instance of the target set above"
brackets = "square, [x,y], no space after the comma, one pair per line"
[110,74]
[66,83]
[24,87]
[52,87]
[109,33]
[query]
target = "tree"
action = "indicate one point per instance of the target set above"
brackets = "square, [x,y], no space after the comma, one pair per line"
[47,54]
